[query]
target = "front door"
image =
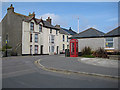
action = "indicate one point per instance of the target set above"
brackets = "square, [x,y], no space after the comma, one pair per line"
[41,49]
[57,49]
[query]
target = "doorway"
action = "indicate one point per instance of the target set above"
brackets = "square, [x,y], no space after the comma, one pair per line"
[41,49]
[57,49]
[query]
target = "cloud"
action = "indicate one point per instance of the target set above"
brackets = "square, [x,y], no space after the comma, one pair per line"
[56,19]
[112,19]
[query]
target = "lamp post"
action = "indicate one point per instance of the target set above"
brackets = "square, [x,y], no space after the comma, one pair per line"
[6,43]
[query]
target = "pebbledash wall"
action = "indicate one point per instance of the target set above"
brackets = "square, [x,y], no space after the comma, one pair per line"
[93,43]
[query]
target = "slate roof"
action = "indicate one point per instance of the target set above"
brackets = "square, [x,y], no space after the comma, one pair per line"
[91,32]
[114,32]
[29,18]
[63,32]
[70,31]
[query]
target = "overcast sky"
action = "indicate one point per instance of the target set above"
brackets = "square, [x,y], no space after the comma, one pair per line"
[100,15]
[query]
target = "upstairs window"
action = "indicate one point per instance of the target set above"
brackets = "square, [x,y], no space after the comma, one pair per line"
[30,37]
[67,38]
[63,38]
[40,28]
[109,43]
[36,38]
[50,30]
[52,38]
[32,26]
[56,32]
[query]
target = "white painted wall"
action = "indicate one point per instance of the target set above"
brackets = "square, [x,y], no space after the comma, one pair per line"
[65,42]
[26,38]
[43,39]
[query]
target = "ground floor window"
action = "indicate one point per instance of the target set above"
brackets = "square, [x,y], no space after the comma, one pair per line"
[52,48]
[49,48]
[63,47]
[36,49]
[109,42]
[30,49]
[67,46]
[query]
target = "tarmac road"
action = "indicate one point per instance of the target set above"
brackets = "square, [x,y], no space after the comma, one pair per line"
[21,72]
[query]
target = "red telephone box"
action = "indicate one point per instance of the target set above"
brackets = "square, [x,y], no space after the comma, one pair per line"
[73,48]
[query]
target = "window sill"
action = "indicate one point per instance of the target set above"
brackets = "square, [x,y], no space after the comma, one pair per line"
[109,48]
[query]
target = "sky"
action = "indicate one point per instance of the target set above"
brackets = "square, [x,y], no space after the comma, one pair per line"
[100,15]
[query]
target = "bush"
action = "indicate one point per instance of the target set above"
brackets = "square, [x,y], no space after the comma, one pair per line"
[14,53]
[86,51]
[100,53]
[88,56]
[4,47]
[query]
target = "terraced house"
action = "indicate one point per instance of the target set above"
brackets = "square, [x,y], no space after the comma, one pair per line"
[29,35]
[64,36]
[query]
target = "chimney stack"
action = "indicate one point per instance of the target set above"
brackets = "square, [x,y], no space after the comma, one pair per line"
[57,26]
[49,20]
[33,14]
[10,9]
[70,28]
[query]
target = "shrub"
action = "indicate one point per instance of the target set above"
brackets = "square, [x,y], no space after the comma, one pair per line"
[4,47]
[13,53]
[88,56]
[86,51]
[100,52]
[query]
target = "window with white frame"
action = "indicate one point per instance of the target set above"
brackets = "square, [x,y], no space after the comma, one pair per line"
[52,48]
[32,26]
[49,48]
[52,38]
[56,32]
[40,28]
[109,42]
[36,49]
[50,30]
[67,46]
[67,38]
[30,49]
[63,38]
[36,38]
[63,47]
[30,37]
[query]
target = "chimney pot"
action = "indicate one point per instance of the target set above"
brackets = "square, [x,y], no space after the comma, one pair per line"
[57,25]
[11,8]
[49,20]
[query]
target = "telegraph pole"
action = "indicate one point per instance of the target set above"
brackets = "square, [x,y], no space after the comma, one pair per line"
[78,24]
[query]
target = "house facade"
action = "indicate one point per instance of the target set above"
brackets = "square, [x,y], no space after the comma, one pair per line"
[28,35]
[64,36]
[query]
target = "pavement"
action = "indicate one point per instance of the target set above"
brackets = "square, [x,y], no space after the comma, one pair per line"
[100,62]
[89,66]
